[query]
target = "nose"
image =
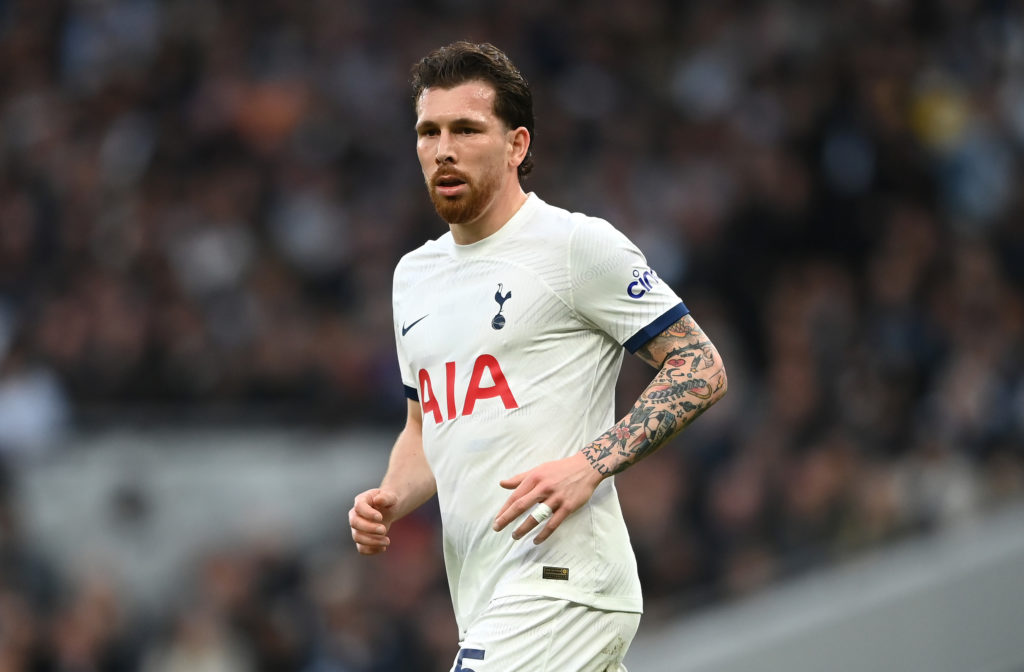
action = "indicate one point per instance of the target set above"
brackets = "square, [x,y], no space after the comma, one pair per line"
[445,149]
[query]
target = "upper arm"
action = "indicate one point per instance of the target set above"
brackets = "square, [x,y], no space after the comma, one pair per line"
[682,345]
[414,417]
[613,289]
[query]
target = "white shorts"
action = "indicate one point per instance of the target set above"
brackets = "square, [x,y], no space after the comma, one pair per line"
[528,633]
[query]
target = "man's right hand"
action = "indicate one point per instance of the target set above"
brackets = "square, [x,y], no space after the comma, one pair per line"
[370,519]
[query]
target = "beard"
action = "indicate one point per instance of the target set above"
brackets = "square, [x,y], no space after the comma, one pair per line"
[466,207]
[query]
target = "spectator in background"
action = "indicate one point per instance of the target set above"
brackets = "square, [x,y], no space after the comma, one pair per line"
[33,404]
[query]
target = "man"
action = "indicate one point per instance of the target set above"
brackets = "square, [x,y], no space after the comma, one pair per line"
[510,330]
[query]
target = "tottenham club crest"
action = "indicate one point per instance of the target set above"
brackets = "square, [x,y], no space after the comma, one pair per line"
[498,321]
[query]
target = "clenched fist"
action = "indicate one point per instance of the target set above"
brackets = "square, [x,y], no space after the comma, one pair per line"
[370,519]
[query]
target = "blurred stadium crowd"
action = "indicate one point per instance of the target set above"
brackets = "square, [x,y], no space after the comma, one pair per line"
[201,203]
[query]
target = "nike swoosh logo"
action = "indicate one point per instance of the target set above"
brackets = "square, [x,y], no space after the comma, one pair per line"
[405,329]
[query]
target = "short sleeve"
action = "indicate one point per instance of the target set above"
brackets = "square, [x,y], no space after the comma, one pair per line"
[407,373]
[615,289]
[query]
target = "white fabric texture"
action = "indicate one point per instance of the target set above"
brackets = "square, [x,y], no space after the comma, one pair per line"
[513,345]
[531,634]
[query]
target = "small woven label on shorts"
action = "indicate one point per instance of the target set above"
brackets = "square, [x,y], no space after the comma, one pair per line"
[556,573]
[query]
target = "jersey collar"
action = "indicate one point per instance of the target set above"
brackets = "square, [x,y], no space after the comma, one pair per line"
[489,243]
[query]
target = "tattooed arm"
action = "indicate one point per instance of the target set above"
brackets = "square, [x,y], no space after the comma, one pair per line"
[690,379]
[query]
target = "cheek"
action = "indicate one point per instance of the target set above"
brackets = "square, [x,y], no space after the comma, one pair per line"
[425,156]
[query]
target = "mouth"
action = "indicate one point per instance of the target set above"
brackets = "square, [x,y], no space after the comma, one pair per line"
[449,185]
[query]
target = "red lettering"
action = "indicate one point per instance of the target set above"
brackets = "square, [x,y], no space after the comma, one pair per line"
[499,389]
[449,373]
[428,403]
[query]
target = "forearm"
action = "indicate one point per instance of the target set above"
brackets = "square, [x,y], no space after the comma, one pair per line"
[690,380]
[409,475]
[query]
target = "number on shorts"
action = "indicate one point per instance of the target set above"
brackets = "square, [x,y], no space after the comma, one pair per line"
[468,654]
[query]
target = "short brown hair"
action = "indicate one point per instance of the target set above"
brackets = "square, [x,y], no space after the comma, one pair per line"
[463,61]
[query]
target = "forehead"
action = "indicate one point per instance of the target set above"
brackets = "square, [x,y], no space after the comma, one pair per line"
[469,99]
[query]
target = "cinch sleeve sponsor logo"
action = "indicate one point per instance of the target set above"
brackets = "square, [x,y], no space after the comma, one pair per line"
[645,281]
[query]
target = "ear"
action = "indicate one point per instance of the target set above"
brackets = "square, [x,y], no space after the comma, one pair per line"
[519,144]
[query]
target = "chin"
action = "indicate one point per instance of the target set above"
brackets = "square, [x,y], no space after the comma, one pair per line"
[457,210]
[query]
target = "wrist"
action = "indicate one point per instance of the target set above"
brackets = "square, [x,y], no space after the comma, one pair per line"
[595,464]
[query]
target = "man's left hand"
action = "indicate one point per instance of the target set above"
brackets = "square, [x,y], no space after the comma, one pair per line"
[564,485]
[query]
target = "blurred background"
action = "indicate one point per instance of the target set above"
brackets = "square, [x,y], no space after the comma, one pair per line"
[201,204]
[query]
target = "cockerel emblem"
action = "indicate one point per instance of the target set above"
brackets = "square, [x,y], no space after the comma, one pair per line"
[498,321]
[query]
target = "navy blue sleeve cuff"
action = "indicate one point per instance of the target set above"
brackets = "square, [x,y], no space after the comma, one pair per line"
[411,393]
[640,338]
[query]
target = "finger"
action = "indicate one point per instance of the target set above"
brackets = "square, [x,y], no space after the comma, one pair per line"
[364,508]
[514,506]
[528,524]
[363,516]
[510,483]
[368,526]
[370,540]
[384,499]
[502,519]
[553,523]
[538,515]
[367,512]
[376,535]
[370,550]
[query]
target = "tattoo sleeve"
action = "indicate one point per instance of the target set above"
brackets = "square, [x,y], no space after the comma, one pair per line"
[690,379]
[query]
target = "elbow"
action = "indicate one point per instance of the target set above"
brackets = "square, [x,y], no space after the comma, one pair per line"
[720,382]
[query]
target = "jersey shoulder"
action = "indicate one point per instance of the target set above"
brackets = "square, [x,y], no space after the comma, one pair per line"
[576,232]
[559,225]
[415,263]
[557,233]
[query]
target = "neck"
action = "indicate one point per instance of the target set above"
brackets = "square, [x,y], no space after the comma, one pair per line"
[506,203]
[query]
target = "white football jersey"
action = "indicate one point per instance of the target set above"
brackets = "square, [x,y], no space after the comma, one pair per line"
[512,345]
